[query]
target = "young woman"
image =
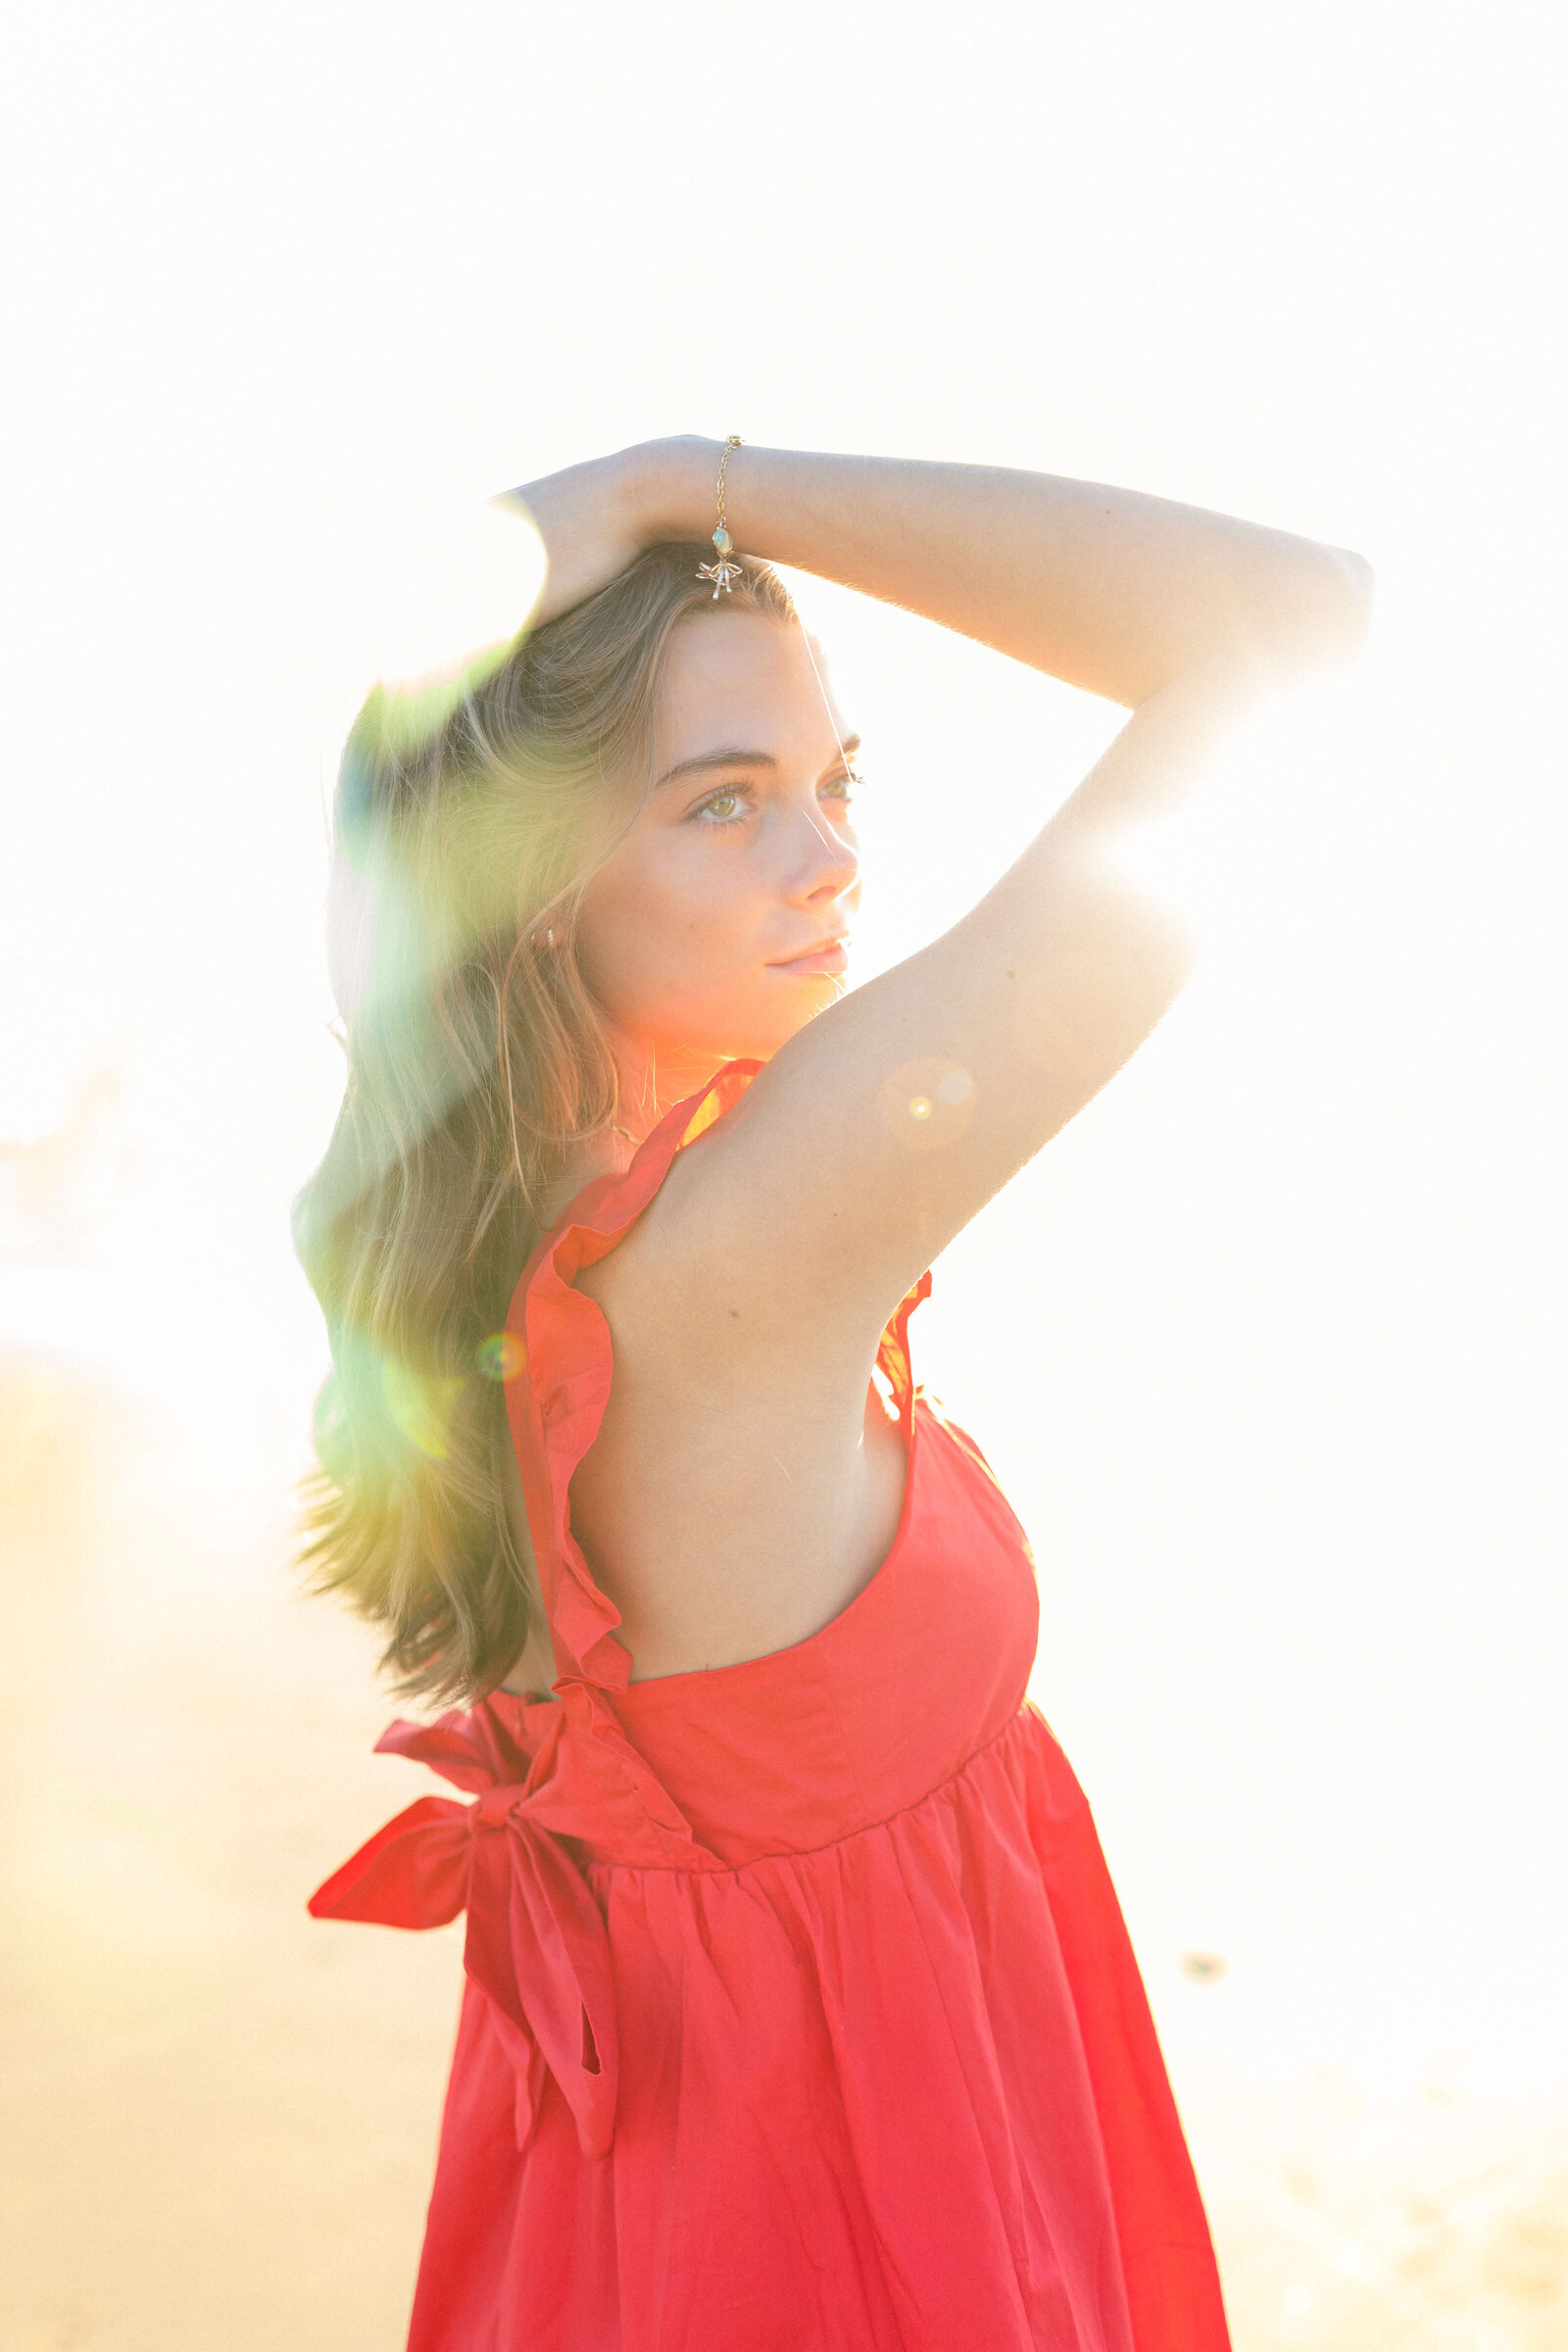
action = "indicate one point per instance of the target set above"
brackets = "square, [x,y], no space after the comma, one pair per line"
[799,2009]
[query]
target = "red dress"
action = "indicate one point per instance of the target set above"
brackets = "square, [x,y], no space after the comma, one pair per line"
[800,2015]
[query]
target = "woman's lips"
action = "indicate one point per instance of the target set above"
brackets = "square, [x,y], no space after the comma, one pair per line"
[831,956]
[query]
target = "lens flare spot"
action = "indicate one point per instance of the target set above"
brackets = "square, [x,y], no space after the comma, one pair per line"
[501,1355]
[927,1102]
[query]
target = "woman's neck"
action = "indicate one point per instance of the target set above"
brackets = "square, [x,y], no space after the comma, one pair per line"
[651,1084]
[652,1081]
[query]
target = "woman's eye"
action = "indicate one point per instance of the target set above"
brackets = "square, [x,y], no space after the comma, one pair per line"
[734,803]
[721,808]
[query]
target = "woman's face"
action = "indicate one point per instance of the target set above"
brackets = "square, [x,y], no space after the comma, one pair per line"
[719,923]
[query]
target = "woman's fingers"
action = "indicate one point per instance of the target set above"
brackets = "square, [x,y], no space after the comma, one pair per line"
[586,518]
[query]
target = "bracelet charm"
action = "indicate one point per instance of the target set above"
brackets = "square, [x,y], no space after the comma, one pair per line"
[723,573]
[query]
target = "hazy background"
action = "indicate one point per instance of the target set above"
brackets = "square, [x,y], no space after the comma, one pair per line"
[1267,1348]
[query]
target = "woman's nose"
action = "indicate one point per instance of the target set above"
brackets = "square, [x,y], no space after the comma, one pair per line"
[824,860]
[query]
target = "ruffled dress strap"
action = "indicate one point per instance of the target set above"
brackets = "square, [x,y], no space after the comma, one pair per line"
[558,1374]
[894,1361]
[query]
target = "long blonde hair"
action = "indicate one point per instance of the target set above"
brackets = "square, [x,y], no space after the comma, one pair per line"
[474,818]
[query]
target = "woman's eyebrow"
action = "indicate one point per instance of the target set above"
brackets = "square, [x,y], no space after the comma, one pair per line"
[705,761]
[709,760]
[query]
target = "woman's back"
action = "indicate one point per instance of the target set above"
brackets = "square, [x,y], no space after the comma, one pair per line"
[728,1518]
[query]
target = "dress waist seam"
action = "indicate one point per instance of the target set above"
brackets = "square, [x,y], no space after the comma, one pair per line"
[595,1868]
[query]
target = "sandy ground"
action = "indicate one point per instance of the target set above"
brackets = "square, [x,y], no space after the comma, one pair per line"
[218,2116]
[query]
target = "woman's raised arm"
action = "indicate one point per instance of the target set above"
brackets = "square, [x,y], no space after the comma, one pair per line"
[1106,589]
[876,1132]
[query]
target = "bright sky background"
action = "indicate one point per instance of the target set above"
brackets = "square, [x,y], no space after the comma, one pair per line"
[1268,1347]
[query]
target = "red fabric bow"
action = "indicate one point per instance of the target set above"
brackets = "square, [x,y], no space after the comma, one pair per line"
[536,1940]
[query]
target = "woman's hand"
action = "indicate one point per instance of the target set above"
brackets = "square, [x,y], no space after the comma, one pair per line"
[597,519]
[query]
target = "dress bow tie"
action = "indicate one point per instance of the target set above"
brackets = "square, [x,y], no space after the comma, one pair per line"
[536,1941]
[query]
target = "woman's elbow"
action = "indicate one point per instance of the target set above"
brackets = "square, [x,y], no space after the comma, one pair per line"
[1357,588]
[1325,610]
